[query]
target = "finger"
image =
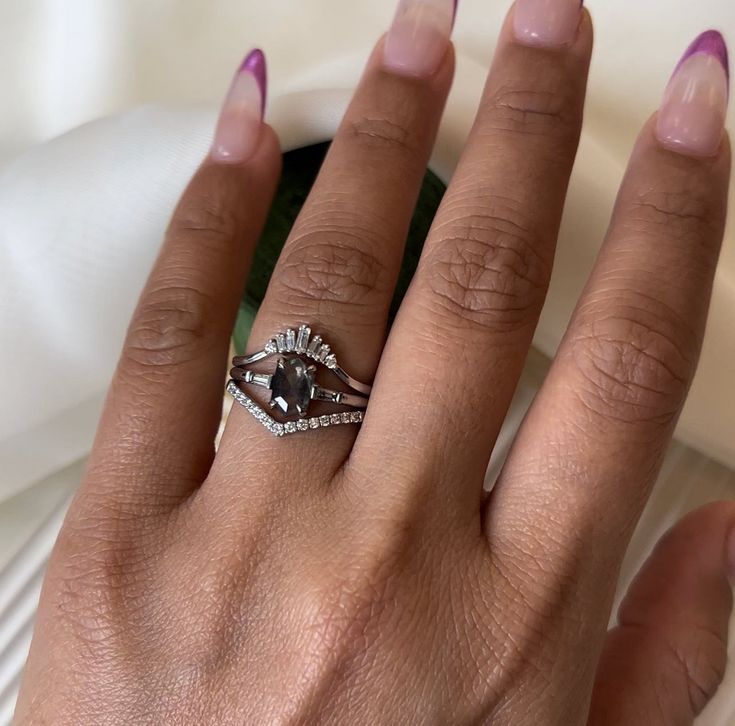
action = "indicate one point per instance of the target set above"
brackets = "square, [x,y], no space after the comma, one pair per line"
[590,448]
[457,346]
[592,443]
[666,657]
[156,436]
[339,266]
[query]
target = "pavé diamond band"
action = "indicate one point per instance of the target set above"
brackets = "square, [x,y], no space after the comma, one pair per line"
[293,384]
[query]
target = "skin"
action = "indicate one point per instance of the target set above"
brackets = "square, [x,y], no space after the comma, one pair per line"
[361,575]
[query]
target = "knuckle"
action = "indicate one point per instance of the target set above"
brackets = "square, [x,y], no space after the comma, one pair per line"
[330,267]
[705,669]
[381,133]
[210,219]
[697,664]
[486,270]
[169,328]
[355,594]
[633,367]
[345,607]
[532,112]
[99,564]
[680,215]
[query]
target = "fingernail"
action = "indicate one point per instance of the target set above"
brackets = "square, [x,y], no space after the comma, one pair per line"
[418,38]
[546,23]
[238,127]
[691,119]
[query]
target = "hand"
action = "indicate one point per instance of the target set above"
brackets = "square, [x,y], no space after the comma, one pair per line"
[359,575]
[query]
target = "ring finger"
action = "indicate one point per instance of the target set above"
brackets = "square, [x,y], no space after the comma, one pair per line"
[339,265]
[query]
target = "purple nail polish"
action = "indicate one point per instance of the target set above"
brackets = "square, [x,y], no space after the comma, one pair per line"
[692,115]
[710,42]
[241,118]
[255,63]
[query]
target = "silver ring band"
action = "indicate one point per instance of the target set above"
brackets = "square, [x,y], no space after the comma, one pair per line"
[301,342]
[265,380]
[293,384]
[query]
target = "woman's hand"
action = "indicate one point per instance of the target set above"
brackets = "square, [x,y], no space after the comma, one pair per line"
[355,575]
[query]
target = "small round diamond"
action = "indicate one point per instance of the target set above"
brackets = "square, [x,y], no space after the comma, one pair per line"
[356,416]
[345,417]
[302,425]
[290,427]
[324,421]
[313,423]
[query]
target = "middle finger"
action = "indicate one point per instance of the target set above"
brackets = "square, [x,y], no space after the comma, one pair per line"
[459,341]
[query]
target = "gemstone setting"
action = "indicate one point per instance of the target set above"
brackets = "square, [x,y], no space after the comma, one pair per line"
[291,387]
[293,384]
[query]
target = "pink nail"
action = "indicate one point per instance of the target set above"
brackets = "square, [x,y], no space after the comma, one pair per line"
[546,23]
[692,116]
[238,128]
[418,38]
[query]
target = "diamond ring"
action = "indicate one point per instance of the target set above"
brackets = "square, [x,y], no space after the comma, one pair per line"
[293,383]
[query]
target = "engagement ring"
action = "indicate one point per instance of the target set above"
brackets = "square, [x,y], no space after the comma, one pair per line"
[293,384]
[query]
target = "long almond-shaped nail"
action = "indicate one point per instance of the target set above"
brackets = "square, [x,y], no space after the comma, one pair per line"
[546,23]
[239,124]
[692,116]
[418,38]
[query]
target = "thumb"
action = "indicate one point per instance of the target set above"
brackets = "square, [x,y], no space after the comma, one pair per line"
[666,658]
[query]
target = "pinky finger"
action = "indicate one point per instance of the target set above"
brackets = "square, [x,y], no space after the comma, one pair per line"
[666,658]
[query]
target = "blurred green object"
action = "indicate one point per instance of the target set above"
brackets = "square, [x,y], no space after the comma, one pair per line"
[300,168]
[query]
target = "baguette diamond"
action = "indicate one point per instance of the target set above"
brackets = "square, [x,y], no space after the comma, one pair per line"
[303,339]
[313,350]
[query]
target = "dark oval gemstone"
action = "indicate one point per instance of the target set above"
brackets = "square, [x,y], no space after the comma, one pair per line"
[291,386]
